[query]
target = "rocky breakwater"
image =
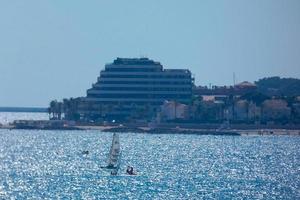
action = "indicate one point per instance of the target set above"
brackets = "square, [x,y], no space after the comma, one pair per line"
[124,129]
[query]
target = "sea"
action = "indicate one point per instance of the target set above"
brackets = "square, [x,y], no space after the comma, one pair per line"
[39,164]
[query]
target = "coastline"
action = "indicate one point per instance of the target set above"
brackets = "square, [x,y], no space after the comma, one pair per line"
[241,132]
[168,130]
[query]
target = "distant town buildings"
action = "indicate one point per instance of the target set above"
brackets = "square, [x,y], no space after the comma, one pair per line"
[172,110]
[141,90]
[238,89]
[275,110]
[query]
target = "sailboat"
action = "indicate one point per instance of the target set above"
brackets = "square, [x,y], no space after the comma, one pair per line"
[114,155]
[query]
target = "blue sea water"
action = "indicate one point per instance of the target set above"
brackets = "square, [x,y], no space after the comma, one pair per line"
[9,117]
[49,165]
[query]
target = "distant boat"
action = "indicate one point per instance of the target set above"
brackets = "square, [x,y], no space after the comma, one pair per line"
[114,155]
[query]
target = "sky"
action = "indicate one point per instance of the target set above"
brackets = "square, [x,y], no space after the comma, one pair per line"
[56,49]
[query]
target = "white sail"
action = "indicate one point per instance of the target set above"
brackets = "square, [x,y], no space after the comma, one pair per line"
[114,152]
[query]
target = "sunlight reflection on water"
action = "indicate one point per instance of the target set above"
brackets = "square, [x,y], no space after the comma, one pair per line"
[49,164]
[8,117]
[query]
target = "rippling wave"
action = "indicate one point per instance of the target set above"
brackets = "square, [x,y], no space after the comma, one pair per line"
[50,165]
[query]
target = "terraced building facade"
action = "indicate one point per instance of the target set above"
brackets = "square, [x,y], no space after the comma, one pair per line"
[135,88]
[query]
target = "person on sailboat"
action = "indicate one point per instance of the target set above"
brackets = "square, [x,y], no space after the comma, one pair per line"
[85,152]
[130,170]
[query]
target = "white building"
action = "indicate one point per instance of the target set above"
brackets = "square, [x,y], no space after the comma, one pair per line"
[275,109]
[171,110]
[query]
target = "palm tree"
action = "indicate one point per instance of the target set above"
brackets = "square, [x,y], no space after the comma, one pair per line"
[229,104]
[59,110]
[51,109]
[66,108]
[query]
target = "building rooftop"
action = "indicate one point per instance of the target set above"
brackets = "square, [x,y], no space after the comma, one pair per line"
[134,61]
[245,84]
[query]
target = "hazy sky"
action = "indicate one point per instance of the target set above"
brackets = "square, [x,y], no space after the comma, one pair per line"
[56,49]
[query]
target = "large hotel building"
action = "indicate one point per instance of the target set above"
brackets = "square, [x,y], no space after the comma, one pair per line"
[131,85]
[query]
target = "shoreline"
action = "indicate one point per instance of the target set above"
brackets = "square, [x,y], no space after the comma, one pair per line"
[169,130]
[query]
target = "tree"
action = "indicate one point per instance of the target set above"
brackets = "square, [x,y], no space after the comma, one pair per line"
[255,97]
[276,86]
[52,109]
